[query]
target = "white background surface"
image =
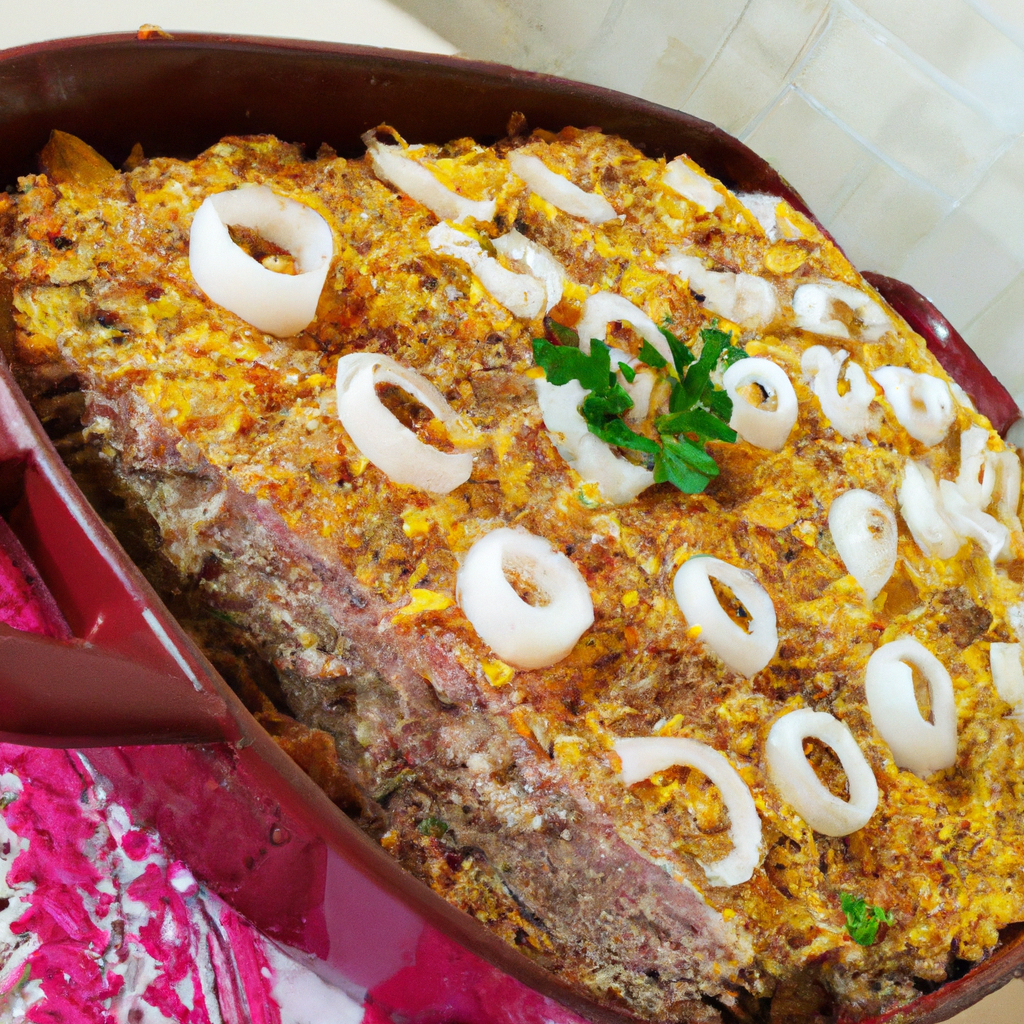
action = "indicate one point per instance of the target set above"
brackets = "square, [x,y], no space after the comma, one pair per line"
[370,22]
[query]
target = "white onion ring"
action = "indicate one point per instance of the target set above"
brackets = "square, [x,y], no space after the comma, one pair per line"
[521,294]
[764,428]
[986,476]
[742,298]
[922,403]
[603,308]
[921,746]
[849,414]
[642,756]
[279,304]
[977,476]
[683,179]
[394,449]
[558,191]
[618,479]
[1007,489]
[763,206]
[1008,674]
[410,176]
[970,522]
[798,784]
[812,304]
[923,512]
[535,259]
[745,653]
[524,635]
[863,528]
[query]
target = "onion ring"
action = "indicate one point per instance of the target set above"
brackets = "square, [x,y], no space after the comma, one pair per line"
[742,298]
[524,635]
[534,259]
[763,428]
[923,512]
[848,414]
[278,304]
[410,176]
[559,191]
[394,449]
[1008,674]
[864,530]
[684,180]
[798,784]
[923,747]
[970,522]
[604,308]
[744,653]
[920,402]
[812,304]
[642,756]
[593,459]
[522,295]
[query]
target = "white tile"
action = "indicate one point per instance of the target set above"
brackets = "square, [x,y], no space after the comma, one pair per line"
[631,44]
[532,34]
[960,267]
[1002,1007]
[369,22]
[997,203]
[898,109]
[964,46]
[750,71]
[1006,15]
[822,162]
[674,75]
[997,335]
[882,219]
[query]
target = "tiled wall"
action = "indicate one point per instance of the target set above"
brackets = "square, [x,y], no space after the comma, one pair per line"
[900,121]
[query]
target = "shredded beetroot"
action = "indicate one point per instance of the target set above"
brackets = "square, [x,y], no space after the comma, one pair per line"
[104,901]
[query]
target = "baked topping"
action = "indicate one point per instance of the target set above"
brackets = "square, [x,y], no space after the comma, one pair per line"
[494,781]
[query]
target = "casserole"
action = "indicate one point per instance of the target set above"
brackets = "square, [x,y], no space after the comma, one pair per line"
[541,100]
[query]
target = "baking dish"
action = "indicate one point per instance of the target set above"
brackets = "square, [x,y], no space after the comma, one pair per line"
[271,843]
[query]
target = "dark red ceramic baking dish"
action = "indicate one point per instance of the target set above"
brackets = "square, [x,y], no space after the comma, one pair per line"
[188,758]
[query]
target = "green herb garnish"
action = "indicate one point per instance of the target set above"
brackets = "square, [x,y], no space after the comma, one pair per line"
[698,410]
[863,920]
[434,827]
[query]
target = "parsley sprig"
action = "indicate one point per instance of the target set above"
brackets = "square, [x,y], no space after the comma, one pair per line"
[862,919]
[698,411]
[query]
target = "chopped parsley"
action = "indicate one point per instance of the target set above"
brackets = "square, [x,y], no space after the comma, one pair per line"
[433,827]
[698,411]
[862,919]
